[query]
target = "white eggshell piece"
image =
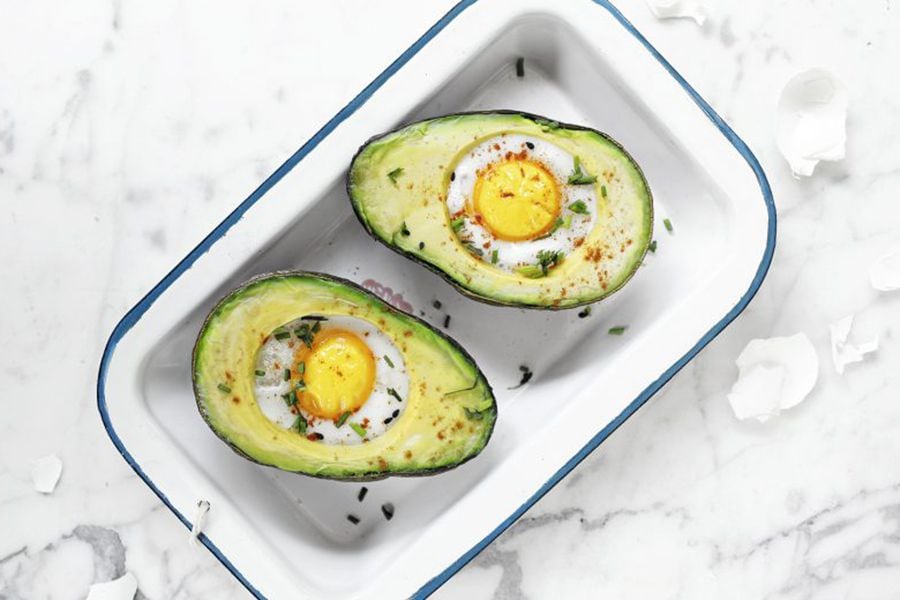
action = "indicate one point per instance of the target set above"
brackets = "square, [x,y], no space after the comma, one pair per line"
[45,473]
[199,521]
[122,588]
[844,353]
[775,374]
[812,120]
[678,9]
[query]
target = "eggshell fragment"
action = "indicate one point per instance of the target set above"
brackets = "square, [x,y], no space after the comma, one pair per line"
[812,120]
[844,353]
[675,9]
[122,588]
[884,274]
[199,521]
[775,374]
[45,473]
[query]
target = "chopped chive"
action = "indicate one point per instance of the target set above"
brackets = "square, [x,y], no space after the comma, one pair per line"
[585,313]
[457,223]
[668,225]
[495,256]
[393,175]
[282,335]
[579,177]
[300,386]
[387,509]
[520,67]
[603,191]
[301,368]
[473,249]
[290,398]
[316,327]
[619,330]
[579,207]
[353,519]
[394,393]
[404,230]
[300,424]
[224,388]
[359,429]
[287,374]
[388,360]
[652,246]
[421,245]
[447,322]
[437,304]
[362,493]
[342,419]
[260,373]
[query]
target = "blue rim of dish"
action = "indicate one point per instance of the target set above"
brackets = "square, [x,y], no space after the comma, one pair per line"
[133,315]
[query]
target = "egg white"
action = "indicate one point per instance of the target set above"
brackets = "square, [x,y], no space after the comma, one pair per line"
[381,409]
[558,162]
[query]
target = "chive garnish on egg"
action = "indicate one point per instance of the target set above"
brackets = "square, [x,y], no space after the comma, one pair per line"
[579,177]
[388,360]
[393,175]
[260,373]
[224,388]
[579,207]
[342,419]
[359,429]
[394,393]
[300,424]
[619,330]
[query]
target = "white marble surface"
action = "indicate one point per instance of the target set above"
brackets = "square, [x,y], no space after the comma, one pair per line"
[128,129]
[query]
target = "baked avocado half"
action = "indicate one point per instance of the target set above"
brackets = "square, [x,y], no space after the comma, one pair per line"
[511,208]
[312,374]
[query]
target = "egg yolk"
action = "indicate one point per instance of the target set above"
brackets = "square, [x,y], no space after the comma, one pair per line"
[517,199]
[338,372]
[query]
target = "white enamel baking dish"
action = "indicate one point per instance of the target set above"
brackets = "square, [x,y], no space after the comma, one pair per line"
[287,536]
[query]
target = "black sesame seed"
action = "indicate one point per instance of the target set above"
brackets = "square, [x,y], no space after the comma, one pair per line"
[520,67]
[388,420]
[421,245]
[447,322]
[387,509]
[395,414]
[362,493]
[437,304]
[530,145]
[452,175]
[585,313]
[353,519]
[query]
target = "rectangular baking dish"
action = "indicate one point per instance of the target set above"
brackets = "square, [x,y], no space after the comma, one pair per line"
[285,535]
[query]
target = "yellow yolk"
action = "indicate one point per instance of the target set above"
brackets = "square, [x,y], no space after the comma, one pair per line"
[517,199]
[339,373]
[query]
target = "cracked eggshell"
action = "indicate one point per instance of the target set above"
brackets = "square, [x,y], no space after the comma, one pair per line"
[199,522]
[844,353]
[884,274]
[812,120]
[678,9]
[122,588]
[45,473]
[775,374]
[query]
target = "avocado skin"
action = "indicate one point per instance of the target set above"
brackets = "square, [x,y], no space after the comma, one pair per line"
[357,210]
[490,413]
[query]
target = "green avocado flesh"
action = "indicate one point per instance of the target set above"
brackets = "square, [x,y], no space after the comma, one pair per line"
[449,413]
[398,184]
